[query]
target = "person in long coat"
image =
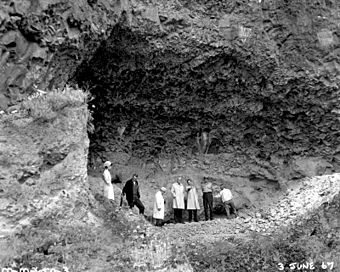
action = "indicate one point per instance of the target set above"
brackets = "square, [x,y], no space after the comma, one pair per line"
[131,190]
[108,187]
[178,192]
[158,207]
[192,200]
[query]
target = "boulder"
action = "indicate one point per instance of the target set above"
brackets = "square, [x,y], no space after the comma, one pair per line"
[300,167]
[40,162]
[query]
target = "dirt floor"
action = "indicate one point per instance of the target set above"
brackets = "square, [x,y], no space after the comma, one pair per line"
[262,235]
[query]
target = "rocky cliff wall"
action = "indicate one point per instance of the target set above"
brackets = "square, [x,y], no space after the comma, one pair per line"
[43,42]
[43,165]
[258,78]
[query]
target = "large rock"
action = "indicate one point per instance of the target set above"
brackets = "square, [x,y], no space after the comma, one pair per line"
[254,78]
[43,42]
[300,167]
[43,169]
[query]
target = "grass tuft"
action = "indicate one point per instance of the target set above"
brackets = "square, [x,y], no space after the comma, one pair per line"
[48,106]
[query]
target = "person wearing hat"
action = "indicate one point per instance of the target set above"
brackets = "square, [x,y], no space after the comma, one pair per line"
[192,203]
[158,207]
[131,190]
[178,192]
[108,187]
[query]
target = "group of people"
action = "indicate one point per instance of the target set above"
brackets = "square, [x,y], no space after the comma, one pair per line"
[184,197]
[130,190]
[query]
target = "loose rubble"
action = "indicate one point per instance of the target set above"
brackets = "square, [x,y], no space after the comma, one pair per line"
[297,204]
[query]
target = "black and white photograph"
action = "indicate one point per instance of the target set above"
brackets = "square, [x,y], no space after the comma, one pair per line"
[169,135]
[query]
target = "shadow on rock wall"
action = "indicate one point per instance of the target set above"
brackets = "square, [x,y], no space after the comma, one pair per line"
[157,89]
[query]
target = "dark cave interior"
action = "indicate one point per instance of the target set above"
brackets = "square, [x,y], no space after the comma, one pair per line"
[153,102]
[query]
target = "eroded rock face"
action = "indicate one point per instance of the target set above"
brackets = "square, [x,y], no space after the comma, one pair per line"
[43,169]
[43,42]
[258,78]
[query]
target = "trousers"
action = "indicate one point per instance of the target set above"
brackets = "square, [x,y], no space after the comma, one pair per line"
[208,205]
[229,204]
[159,222]
[178,215]
[195,215]
[139,205]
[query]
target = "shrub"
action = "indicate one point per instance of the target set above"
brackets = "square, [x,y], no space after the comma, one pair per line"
[48,106]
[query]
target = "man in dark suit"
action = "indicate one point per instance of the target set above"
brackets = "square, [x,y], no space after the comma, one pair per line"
[131,190]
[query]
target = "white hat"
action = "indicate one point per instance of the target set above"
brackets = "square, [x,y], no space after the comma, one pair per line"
[163,189]
[107,164]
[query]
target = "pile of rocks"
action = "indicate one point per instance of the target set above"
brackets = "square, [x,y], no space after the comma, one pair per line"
[292,208]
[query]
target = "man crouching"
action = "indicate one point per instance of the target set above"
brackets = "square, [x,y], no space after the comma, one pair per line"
[227,200]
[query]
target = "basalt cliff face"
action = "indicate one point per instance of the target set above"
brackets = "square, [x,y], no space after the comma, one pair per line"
[241,92]
[43,169]
[256,80]
[43,42]
[44,152]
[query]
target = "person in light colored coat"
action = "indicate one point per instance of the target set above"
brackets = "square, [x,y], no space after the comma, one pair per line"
[192,200]
[108,187]
[227,200]
[178,192]
[158,207]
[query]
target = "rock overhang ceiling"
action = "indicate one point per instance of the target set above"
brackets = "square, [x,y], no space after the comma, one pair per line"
[260,76]
[262,80]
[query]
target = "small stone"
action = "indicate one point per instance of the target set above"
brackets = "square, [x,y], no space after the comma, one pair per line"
[257,215]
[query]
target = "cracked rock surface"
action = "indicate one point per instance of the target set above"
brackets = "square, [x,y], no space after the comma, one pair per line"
[43,42]
[261,78]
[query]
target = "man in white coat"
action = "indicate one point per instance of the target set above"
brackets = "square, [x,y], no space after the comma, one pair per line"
[158,207]
[227,200]
[108,187]
[178,192]
[192,200]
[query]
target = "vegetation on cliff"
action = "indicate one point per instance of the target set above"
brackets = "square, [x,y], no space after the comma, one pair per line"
[243,92]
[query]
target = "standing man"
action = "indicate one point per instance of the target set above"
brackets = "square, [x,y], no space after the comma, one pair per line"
[192,205]
[158,207]
[227,200]
[108,187]
[178,191]
[131,190]
[207,199]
